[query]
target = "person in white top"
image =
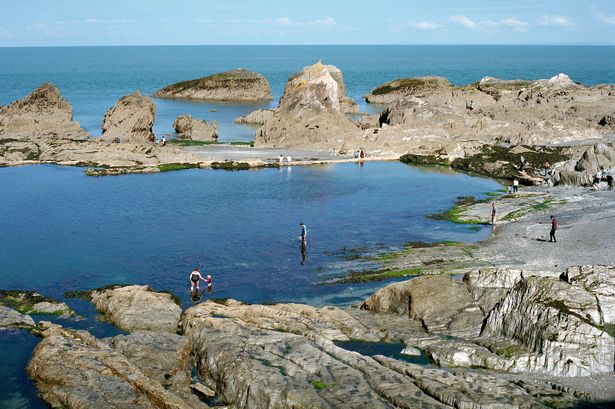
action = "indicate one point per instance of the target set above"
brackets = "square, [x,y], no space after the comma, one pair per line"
[515,186]
[281,159]
[289,159]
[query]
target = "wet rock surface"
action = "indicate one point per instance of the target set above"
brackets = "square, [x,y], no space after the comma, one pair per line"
[235,85]
[9,318]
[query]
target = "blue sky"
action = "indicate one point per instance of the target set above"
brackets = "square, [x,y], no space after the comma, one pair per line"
[130,22]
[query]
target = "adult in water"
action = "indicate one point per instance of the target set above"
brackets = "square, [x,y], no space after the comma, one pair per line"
[195,277]
[303,235]
[553,229]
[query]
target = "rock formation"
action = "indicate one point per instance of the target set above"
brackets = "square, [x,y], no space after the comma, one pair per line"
[347,105]
[138,308]
[41,116]
[189,128]
[406,87]
[236,85]
[258,117]
[292,355]
[9,318]
[309,114]
[131,120]
[595,158]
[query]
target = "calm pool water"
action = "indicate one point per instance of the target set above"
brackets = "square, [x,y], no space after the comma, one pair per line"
[61,230]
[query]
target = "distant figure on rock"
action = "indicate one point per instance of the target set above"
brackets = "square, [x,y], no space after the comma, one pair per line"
[356,155]
[553,229]
[515,186]
[493,215]
[362,154]
[547,167]
[523,162]
[610,181]
[289,159]
[195,277]
[164,141]
[281,158]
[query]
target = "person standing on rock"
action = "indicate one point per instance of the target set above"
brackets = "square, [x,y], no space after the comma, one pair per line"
[164,141]
[515,186]
[523,163]
[493,215]
[195,277]
[281,159]
[553,229]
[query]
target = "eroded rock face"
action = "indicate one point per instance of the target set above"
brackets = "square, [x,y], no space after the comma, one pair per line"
[347,105]
[595,158]
[558,322]
[309,114]
[72,369]
[42,115]
[437,301]
[195,129]
[236,85]
[131,119]
[599,281]
[258,117]
[137,307]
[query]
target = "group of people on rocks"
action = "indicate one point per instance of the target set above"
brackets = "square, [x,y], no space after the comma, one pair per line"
[603,174]
[286,158]
[360,154]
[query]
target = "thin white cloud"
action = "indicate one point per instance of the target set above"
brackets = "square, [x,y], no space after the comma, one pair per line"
[465,21]
[602,16]
[44,29]
[511,23]
[287,22]
[556,20]
[425,25]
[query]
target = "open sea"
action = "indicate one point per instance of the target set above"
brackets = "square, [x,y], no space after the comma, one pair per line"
[61,230]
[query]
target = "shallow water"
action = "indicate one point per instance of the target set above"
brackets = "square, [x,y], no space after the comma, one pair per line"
[62,230]
[93,78]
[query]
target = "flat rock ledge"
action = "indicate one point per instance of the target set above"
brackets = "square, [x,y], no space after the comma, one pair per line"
[138,307]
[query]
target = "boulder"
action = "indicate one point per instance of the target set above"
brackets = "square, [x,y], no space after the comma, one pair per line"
[131,120]
[407,87]
[438,302]
[309,114]
[189,128]
[31,302]
[9,318]
[74,370]
[258,117]
[347,105]
[135,307]
[558,323]
[596,157]
[235,85]
[42,115]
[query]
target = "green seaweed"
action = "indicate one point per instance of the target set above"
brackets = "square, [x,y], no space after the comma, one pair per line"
[269,364]
[23,301]
[170,167]
[318,384]
[230,165]
[186,142]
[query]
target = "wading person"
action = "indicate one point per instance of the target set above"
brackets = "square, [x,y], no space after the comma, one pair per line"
[303,236]
[195,277]
[553,229]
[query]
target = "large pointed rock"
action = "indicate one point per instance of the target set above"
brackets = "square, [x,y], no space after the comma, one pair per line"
[42,115]
[131,119]
[310,114]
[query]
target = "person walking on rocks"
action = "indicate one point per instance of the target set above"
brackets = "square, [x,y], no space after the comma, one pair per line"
[553,229]
[195,277]
[493,215]
[515,186]
[164,141]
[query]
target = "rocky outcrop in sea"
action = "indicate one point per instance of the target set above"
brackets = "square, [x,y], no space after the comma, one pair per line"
[131,119]
[236,85]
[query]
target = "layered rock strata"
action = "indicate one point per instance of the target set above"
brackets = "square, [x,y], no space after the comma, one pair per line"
[235,85]
[130,120]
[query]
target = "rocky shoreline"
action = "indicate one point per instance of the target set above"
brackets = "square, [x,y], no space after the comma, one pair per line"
[497,332]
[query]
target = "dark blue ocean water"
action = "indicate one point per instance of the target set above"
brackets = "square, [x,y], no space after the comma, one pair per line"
[60,230]
[93,78]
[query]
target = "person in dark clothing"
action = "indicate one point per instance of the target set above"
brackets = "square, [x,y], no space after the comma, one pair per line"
[553,229]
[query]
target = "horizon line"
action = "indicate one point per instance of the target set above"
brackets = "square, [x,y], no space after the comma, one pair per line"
[316,44]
